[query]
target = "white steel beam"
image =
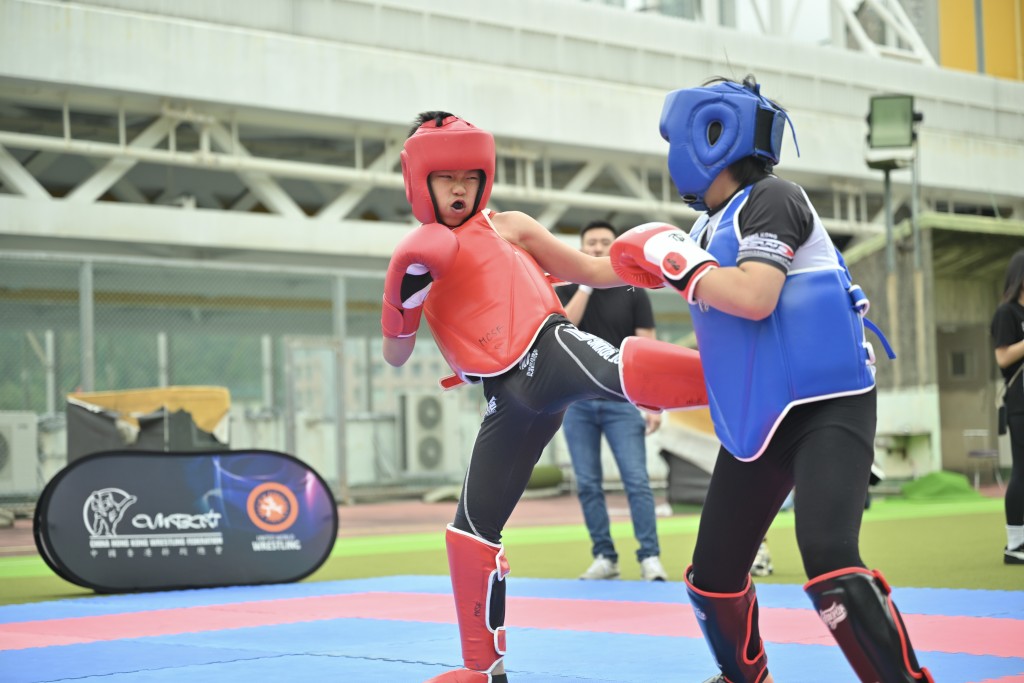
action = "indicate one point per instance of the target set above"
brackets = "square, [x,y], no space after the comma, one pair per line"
[347,200]
[115,169]
[262,185]
[571,196]
[896,19]
[580,182]
[14,175]
[851,22]
[122,190]
[245,203]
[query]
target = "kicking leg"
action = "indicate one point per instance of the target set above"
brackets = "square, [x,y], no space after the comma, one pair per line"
[657,375]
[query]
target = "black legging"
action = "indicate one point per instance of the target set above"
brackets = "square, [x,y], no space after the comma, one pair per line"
[525,409]
[1014,500]
[825,449]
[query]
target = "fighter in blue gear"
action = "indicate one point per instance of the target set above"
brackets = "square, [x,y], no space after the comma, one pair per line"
[790,379]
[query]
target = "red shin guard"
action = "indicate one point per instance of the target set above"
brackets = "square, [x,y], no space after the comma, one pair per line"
[656,375]
[854,603]
[729,623]
[478,571]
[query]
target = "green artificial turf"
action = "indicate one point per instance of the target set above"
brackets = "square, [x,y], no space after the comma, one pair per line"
[942,544]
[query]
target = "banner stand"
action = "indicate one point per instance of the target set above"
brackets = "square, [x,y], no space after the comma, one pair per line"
[124,521]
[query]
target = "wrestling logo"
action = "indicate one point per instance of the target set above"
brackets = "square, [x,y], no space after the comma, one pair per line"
[104,509]
[272,507]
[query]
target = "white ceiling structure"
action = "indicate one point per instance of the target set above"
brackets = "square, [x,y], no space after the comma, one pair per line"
[269,131]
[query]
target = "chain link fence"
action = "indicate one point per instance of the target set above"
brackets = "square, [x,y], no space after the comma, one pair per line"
[269,335]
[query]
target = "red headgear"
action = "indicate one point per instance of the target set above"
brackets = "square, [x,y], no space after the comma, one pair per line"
[455,145]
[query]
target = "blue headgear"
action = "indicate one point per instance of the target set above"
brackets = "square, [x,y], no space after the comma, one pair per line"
[710,127]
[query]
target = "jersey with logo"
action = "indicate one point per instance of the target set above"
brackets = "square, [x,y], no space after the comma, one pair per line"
[811,347]
[487,310]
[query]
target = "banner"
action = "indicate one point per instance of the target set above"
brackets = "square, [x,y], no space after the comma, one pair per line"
[123,521]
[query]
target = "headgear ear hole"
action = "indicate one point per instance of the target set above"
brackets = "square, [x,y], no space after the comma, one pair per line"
[714,132]
[723,118]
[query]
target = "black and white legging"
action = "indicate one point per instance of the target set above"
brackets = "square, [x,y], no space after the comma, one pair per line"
[524,410]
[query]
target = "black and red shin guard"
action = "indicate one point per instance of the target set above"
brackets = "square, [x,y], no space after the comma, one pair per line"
[729,623]
[478,570]
[855,605]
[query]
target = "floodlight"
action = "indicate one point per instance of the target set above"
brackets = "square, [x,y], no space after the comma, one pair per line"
[891,121]
[891,136]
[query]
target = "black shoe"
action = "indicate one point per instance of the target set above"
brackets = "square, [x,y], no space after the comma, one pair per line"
[1015,556]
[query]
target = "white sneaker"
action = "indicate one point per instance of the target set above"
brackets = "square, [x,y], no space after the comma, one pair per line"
[601,568]
[762,562]
[1014,556]
[651,569]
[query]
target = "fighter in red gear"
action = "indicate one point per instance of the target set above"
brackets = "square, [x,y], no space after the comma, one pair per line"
[482,281]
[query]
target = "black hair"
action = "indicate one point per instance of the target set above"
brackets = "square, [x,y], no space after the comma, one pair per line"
[749,170]
[598,224]
[436,116]
[1014,277]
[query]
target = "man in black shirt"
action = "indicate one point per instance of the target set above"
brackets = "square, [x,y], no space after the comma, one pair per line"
[611,314]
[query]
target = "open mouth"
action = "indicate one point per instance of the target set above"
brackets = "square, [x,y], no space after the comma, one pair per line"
[458,205]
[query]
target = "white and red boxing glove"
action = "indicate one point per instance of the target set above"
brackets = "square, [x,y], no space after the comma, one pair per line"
[421,257]
[653,253]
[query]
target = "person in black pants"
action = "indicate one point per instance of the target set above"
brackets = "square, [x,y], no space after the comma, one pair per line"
[611,314]
[790,378]
[481,280]
[1008,339]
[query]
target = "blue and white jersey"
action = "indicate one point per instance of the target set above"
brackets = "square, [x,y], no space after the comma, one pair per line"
[811,348]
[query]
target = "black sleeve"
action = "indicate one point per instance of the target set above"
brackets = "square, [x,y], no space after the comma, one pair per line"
[774,222]
[1005,329]
[643,314]
[565,292]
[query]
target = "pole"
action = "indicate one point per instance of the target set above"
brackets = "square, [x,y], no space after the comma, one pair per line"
[892,298]
[919,329]
[339,309]
[979,35]
[87,325]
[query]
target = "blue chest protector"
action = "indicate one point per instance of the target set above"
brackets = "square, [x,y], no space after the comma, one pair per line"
[811,347]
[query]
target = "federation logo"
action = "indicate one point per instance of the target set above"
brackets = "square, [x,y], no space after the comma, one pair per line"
[272,507]
[104,509]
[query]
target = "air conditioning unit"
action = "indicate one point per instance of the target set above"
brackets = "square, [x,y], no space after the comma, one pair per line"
[430,440]
[19,454]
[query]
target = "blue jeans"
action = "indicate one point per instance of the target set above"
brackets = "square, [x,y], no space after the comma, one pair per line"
[623,426]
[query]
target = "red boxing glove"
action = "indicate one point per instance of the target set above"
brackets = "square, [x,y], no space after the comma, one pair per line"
[421,257]
[653,253]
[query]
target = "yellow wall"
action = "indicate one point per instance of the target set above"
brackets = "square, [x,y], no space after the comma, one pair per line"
[1003,23]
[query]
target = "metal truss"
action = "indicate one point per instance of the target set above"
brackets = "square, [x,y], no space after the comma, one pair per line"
[55,151]
[180,155]
[898,37]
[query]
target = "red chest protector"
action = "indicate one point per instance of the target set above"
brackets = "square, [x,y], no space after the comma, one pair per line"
[488,308]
